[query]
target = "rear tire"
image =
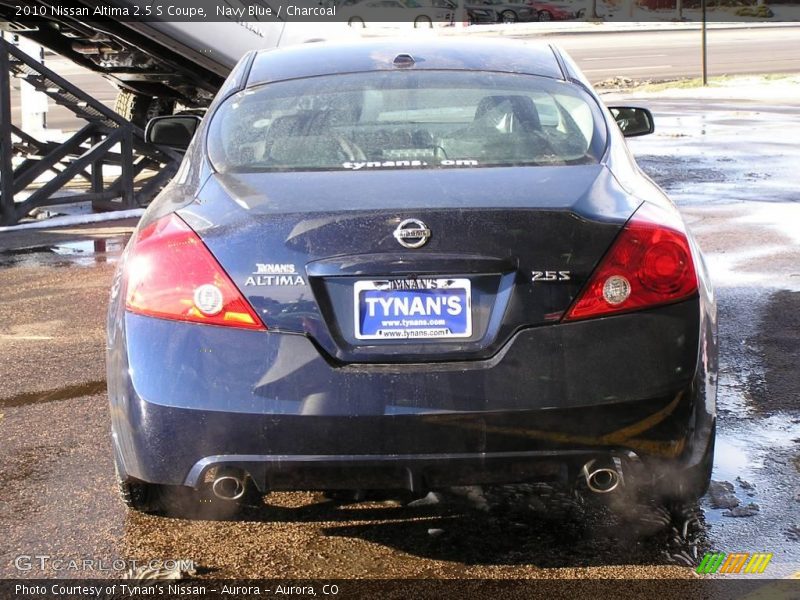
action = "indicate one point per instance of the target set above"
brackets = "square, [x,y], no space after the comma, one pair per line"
[137,495]
[423,22]
[139,109]
[356,21]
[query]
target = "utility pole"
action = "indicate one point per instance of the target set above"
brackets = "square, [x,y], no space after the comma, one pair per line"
[705,49]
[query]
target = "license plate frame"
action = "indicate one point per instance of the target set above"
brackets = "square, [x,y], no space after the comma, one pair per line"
[383,318]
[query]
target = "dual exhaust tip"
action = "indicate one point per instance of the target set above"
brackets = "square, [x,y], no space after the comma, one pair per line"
[603,477]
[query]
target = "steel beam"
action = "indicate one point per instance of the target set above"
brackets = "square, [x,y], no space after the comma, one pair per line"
[8,213]
[41,196]
[71,146]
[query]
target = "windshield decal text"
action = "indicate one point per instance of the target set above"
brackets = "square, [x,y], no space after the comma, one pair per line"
[399,164]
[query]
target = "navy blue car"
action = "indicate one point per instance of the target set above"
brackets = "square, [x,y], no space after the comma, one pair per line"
[409,265]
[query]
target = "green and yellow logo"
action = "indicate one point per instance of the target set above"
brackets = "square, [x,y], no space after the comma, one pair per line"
[736,562]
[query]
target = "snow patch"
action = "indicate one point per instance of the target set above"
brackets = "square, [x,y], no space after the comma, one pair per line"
[77,220]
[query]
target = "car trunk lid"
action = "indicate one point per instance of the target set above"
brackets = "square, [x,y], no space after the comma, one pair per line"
[318,253]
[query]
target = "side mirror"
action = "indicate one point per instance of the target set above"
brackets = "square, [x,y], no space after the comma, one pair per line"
[174,131]
[633,121]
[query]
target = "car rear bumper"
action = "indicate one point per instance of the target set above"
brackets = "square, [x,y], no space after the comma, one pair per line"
[183,446]
[632,386]
[414,472]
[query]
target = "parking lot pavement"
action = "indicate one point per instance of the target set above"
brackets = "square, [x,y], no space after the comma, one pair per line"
[729,164]
[55,284]
[57,493]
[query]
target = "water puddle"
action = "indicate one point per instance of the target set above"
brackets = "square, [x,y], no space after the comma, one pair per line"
[80,253]
[746,459]
[734,155]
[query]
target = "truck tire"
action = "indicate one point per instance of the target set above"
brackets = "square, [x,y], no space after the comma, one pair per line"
[139,109]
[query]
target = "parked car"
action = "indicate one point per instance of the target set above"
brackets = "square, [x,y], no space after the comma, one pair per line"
[409,265]
[500,11]
[549,11]
[421,13]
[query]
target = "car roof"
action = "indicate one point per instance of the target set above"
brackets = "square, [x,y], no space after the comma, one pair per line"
[330,58]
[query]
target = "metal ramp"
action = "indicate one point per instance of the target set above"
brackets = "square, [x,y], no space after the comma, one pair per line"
[107,139]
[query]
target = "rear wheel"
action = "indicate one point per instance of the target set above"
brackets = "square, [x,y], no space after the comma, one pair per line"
[139,109]
[137,495]
[356,22]
[423,22]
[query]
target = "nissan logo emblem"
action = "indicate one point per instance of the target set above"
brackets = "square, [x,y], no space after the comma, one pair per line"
[412,233]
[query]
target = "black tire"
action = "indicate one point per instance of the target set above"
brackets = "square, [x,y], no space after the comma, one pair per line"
[545,16]
[139,109]
[508,16]
[355,21]
[137,495]
[423,22]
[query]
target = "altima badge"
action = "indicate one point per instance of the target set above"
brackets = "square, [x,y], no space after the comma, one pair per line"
[275,274]
[412,233]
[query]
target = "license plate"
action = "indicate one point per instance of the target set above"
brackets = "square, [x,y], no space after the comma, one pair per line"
[413,309]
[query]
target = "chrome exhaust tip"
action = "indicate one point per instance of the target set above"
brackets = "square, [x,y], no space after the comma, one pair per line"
[228,486]
[603,479]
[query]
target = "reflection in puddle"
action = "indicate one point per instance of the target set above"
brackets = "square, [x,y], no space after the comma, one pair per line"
[81,253]
[730,459]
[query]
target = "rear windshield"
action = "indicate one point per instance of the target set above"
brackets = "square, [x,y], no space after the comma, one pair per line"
[406,120]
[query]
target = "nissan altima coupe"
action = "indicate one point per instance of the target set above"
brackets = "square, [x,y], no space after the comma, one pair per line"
[409,265]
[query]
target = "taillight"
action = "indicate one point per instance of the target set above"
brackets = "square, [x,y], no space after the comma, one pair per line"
[650,263]
[172,275]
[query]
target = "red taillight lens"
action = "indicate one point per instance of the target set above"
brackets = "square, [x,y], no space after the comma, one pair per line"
[650,263]
[172,275]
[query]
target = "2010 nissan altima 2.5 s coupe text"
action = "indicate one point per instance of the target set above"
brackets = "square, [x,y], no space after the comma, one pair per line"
[410,265]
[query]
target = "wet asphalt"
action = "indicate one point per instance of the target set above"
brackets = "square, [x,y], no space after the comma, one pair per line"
[729,166]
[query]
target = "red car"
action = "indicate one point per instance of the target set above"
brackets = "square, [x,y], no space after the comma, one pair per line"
[553,12]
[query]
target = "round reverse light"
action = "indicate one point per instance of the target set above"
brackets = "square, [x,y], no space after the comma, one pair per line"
[616,289]
[208,299]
